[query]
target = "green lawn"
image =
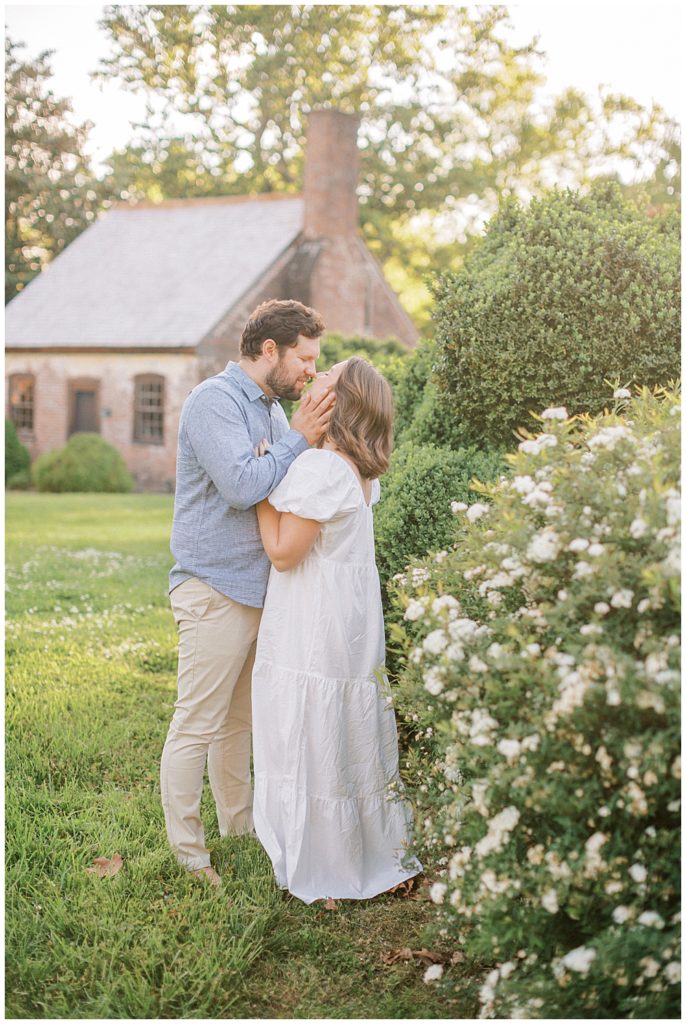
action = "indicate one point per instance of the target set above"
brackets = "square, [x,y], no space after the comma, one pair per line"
[90,684]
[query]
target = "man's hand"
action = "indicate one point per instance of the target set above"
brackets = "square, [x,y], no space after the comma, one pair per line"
[312,417]
[263,447]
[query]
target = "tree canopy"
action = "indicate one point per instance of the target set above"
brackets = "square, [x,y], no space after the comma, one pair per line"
[50,193]
[450,115]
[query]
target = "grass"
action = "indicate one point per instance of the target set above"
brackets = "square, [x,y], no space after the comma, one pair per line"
[90,685]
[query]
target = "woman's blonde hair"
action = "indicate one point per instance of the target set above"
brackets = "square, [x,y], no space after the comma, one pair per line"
[362,421]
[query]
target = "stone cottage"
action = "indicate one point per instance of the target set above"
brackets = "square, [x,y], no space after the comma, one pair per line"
[152,298]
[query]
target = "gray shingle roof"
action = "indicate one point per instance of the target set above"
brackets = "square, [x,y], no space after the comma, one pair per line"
[158,276]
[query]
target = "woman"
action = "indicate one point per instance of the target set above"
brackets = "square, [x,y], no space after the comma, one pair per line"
[324,738]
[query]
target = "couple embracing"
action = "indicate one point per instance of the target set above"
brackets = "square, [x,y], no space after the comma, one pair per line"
[277,601]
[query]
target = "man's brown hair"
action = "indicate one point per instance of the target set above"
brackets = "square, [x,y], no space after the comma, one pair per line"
[282,320]
[361,424]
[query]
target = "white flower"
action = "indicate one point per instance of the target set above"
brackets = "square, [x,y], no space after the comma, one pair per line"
[621,393]
[620,915]
[433,973]
[495,650]
[596,550]
[549,901]
[558,413]
[437,892]
[622,599]
[601,608]
[638,528]
[578,544]
[435,642]
[522,484]
[444,601]
[455,652]
[433,681]
[475,511]
[544,545]
[477,665]
[536,446]
[591,629]
[651,919]
[458,506]
[638,872]
[673,972]
[531,742]
[608,437]
[579,959]
[414,610]
[509,748]
[582,569]
[463,629]
[650,966]
[533,650]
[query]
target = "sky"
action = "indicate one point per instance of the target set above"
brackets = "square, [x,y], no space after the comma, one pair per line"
[632,48]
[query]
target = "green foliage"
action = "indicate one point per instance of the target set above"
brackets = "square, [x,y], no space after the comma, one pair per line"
[422,414]
[50,193]
[414,514]
[20,481]
[557,298]
[17,458]
[337,347]
[542,683]
[388,356]
[86,463]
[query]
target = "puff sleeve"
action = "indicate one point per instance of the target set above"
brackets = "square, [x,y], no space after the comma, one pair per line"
[319,485]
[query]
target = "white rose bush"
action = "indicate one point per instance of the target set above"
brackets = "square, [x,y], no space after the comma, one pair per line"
[541,685]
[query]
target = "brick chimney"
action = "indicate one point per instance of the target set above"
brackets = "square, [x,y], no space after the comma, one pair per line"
[331,169]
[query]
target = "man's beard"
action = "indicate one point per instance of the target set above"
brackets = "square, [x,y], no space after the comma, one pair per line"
[281,385]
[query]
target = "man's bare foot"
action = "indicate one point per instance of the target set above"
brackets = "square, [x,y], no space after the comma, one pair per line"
[210,874]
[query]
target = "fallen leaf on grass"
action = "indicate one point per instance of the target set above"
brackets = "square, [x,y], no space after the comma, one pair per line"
[392,956]
[409,889]
[457,958]
[330,904]
[103,867]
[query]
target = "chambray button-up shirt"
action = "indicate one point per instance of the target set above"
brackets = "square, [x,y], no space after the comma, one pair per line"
[219,480]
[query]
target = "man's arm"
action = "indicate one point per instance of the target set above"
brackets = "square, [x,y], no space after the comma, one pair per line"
[286,538]
[220,439]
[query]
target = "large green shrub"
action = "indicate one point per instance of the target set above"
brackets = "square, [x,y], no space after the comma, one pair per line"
[17,458]
[557,297]
[414,514]
[542,682]
[86,463]
[388,356]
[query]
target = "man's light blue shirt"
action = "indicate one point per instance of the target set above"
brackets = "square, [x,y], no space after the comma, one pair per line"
[219,480]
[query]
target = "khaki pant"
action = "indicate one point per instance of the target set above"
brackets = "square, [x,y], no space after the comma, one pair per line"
[212,718]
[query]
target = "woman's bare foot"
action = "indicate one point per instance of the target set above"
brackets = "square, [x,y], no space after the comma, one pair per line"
[210,874]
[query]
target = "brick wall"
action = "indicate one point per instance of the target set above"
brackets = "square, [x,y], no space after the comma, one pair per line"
[152,465]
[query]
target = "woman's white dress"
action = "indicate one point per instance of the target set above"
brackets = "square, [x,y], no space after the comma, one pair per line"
[324,736]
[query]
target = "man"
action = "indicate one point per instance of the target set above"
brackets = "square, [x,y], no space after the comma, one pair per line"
[219,581]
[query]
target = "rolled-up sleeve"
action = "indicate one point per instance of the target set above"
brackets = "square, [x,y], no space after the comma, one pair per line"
[220,438]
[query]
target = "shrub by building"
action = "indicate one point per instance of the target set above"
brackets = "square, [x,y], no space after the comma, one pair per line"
[86,463]
[17,458]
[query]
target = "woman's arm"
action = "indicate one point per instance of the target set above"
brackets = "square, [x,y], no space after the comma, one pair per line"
[287,539]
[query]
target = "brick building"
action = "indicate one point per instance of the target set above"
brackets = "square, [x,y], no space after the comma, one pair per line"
[152,299]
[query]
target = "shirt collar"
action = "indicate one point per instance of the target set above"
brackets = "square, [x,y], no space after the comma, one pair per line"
[251,389]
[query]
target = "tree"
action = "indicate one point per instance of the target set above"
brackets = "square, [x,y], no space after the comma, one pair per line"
[50,193]
[449,115]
